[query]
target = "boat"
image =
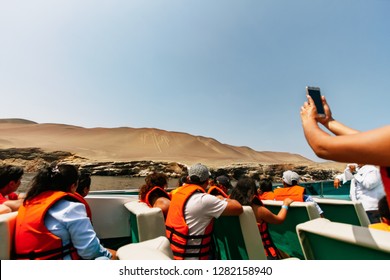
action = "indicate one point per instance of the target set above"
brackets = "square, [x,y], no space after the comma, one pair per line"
[138,232]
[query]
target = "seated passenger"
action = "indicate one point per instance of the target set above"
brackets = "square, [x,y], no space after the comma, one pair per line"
[221,186]
[265,190]
[190,219]
[384,212]
[10,180]
[84,185]
[292,190]
[53,223]
[181,182]
[245,193]
[153,192]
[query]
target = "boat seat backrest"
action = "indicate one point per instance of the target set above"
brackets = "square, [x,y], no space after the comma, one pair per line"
[238,237]
[158,248]
[284,235]
[145,222]
[110,218]
[7,232]
[322,239]
[343,211]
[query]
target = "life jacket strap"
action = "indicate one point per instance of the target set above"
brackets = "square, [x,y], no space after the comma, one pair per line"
[53,254]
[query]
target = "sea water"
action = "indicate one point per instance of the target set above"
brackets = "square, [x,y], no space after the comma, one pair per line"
[99,183]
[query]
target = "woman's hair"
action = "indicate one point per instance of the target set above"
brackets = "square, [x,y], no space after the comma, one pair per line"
[153,180]
[10,173]
[244,191]
[84,182]
[265,185]
[57,178]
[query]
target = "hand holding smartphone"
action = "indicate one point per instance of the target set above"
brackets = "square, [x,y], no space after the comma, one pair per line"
[315,94]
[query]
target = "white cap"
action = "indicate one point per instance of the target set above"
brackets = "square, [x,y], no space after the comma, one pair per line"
[290,176]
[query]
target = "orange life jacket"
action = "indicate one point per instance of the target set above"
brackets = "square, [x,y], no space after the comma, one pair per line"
[215,190]
[177,229]
[295,193]
[153,193]
[269,246]
[380,226]
[32,239]
[267,196]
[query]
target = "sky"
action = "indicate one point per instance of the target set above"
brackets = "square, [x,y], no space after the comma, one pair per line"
[235,71]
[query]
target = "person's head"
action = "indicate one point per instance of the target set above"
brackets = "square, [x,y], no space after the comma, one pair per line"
[244,191]
[290,178]
[153,180]
[265,185]
[199,174]
[10,178]
[61,177]
[383,208]
[84,184]
[223,182]
[182,180]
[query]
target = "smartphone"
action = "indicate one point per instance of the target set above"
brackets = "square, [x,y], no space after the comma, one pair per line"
[315,94]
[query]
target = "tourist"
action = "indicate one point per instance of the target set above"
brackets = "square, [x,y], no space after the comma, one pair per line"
[245,192]
[384,212]
[292,190]
[84,184]
[367,187]
[154,193]
[10,180]
[190,217]
[346,176]
[53,223]
[265,190]
[221,186]
[346,144]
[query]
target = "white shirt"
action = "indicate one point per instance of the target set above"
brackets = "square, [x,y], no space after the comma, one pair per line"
[68,220]
[200,209]
[347,175]
[367,187]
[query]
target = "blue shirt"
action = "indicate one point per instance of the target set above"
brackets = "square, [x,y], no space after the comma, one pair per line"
[68,220]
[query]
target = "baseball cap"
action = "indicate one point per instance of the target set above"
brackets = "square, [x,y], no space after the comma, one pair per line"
[290,176]
[199,172]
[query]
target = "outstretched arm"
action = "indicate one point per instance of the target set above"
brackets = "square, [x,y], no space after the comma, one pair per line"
[349,145]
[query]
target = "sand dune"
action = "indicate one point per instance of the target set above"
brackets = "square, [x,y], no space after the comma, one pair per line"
[128,144]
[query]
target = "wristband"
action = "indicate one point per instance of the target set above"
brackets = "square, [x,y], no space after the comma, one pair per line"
[285,207]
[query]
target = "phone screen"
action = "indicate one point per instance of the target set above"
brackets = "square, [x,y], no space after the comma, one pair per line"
[315,94]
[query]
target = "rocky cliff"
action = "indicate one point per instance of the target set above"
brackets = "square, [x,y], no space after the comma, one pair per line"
[32,159]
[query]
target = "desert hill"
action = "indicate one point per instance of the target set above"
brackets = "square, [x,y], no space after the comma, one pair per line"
[129,144]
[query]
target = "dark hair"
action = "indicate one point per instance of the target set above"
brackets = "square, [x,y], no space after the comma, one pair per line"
[383,208]
[182,180]
[194,179]
[153,180]
[84,182]
[244,191]
[57,178]
[10,173]
[265,185]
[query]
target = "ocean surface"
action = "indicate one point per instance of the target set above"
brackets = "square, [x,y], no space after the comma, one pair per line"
[101,183]
[105,182]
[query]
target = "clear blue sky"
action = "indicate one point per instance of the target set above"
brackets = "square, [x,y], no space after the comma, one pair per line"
[232,70]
